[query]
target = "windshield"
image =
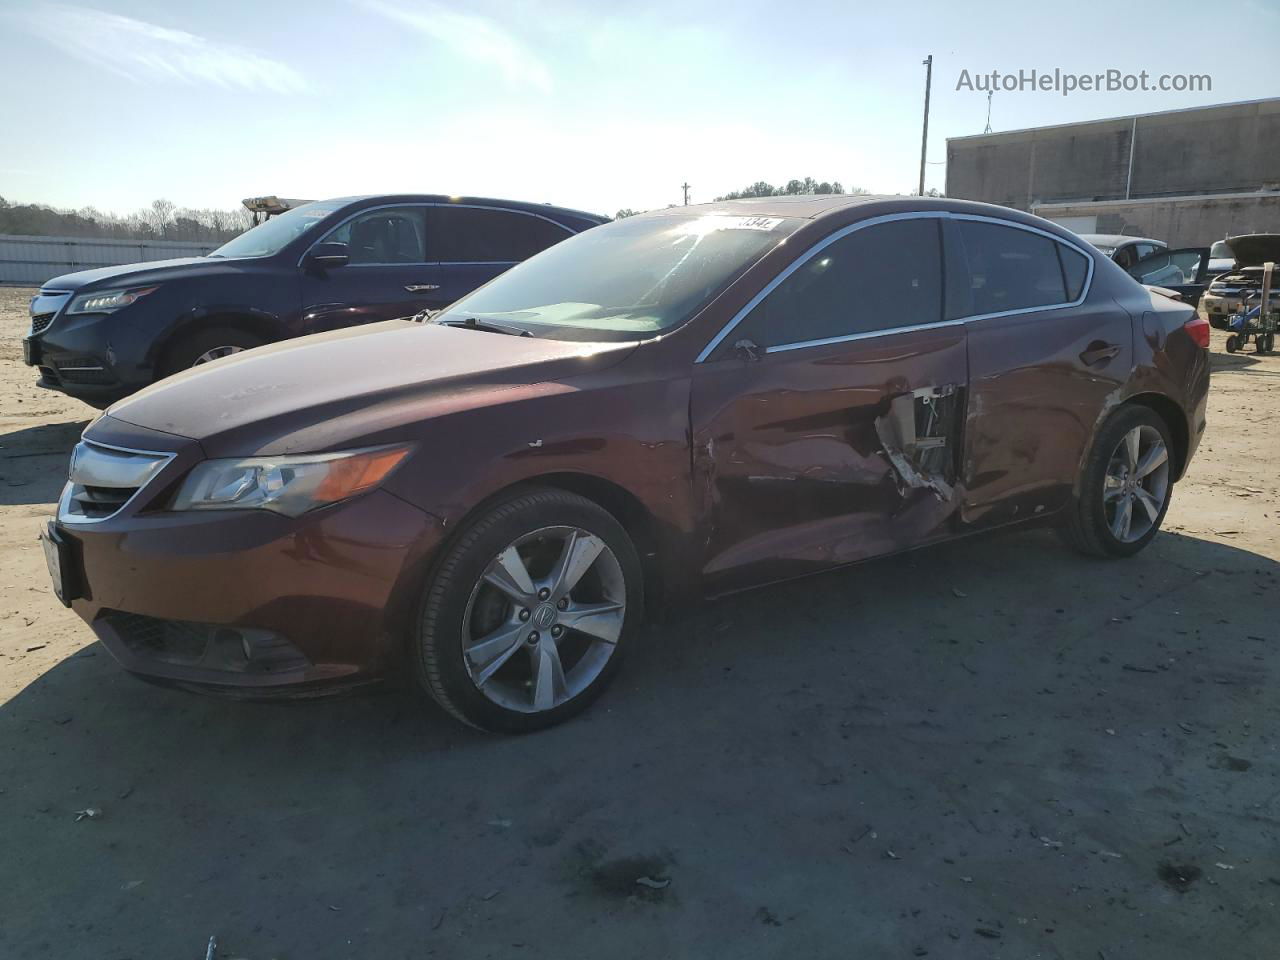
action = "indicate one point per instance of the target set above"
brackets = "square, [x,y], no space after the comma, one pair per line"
[626,280]
[275,234]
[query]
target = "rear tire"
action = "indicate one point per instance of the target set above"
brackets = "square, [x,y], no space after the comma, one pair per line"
[1125,487]
[529,614]
[1233,343]
[206,345]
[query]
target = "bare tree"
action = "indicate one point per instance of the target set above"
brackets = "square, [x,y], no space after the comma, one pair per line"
[159,215]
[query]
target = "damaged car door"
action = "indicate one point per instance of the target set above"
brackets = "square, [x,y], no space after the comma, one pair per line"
[826,420]
[1044,365]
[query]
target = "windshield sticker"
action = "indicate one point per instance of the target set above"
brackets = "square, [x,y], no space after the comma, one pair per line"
[749,223]
[713,223]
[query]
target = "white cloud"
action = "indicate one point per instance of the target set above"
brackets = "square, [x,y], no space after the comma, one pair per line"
[473,38]
[140,50]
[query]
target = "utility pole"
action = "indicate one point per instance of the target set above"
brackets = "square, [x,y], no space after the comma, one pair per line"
[685,187]
[924,137]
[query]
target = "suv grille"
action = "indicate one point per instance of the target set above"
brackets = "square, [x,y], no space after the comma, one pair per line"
[41,323]
[102,480]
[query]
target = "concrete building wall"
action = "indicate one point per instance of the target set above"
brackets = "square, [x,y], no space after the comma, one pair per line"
[1221,149]
[1182,222]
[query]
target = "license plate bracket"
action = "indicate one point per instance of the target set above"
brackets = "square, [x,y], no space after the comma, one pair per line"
[60,558]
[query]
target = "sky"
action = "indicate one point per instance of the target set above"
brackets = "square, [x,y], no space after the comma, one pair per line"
[594,105]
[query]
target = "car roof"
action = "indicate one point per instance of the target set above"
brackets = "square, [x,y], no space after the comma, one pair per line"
[817,206]
[523,205]
[1117,239]
[848,208]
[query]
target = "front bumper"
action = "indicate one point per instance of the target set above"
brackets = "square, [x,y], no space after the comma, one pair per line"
[76,355]
[251,602]
[1219,308]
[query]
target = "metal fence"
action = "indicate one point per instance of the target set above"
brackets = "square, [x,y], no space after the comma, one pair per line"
[30,261]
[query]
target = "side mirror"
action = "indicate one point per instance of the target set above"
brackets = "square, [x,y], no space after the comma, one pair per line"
[329,254]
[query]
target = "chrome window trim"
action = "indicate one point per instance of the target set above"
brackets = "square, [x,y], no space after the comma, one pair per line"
[870,334]
[166,458]
[865,335]
[432,263]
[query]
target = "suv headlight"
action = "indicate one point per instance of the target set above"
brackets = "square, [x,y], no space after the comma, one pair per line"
[106,301]
[289,485]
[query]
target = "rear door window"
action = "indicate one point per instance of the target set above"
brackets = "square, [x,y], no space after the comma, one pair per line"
[1012,269]
[383,236]
[877,278]
[481,235]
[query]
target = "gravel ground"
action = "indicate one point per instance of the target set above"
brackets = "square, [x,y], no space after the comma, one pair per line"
[987,749]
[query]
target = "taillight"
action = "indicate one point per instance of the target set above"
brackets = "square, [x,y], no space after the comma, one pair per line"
[1198,328]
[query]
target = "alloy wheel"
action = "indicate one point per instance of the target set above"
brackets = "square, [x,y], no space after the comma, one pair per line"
[1136,484]
[217,353]
[544,619]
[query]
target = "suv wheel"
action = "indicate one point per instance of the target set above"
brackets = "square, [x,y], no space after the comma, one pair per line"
[529,613]
[206,346]
[1125,488]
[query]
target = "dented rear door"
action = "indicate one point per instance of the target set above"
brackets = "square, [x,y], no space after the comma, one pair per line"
[815,451]
[1046,362]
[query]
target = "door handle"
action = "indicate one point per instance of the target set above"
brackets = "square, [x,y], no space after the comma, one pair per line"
[1098,353]
[421,287]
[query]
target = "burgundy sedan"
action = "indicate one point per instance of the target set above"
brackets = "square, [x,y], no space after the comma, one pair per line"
[680,404]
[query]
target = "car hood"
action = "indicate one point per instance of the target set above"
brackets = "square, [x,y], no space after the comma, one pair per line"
[320,392]
[1255,249]
[135,274]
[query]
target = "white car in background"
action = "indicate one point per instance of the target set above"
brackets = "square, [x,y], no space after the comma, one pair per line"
[1184,271]
[1125,251]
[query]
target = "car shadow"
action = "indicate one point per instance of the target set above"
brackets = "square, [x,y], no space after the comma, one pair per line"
[986,713]
[1232,362]
[33,461]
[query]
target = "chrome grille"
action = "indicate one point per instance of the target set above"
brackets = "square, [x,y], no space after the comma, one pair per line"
[103,479]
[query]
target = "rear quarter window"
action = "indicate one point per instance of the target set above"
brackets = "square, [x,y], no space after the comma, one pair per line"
[1075,270]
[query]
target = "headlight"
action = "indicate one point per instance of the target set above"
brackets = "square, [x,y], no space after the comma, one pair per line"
[288,485]
[105,301]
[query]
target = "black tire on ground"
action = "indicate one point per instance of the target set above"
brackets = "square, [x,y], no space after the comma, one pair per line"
[1264,343]
[1084,527]
[437,648]
[1233,343]
[183,354]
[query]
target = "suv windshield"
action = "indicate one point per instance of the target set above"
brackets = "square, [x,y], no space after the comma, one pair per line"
[626,280]
[275,234]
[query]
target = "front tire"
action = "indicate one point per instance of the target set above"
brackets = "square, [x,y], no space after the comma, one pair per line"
[206,346]
[529,613]
[1125,487]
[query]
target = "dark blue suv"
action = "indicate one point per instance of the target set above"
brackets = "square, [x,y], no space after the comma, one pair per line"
[101,334]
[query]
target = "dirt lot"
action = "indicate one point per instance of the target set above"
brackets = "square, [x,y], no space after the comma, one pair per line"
[991,749]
